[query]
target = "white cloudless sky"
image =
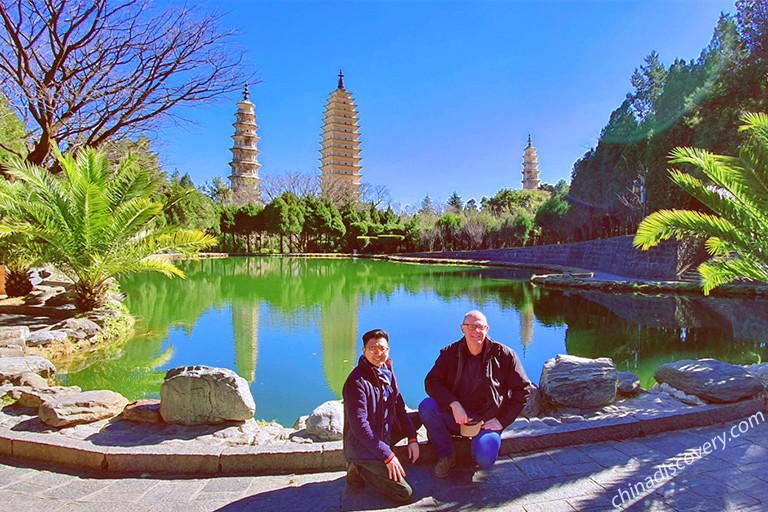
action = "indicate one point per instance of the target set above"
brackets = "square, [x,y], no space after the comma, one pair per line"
[447,92]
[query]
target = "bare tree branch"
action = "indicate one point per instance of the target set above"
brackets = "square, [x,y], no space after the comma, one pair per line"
[83,71]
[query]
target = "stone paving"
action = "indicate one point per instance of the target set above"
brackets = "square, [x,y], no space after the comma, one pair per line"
[588,477]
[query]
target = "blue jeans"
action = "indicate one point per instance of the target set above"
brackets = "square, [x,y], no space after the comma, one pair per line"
[441,426]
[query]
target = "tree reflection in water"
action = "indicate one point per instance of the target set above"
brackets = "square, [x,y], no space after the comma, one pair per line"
[291,326]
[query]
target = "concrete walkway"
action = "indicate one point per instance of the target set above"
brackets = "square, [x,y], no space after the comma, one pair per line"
[583,478]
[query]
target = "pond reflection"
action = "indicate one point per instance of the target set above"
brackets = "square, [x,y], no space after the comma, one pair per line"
[291,326]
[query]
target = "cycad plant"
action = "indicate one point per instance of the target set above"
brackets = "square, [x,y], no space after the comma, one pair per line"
[18,261]
[736,192]
[92,222]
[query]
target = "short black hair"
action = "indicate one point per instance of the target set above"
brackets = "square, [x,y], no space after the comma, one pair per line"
[375,334]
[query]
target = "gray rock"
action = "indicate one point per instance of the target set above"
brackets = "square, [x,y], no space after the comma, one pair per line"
[301,423]
[78,327]
[27,396]
[32,380]
[327,421]
[79,408]
[680,396]
[142,411]
[44,337]
[14,335]
[629,384]
[760,371]
[14,351]
[573,381]
[202,395]
[710,379]
[11,368]
[533,406]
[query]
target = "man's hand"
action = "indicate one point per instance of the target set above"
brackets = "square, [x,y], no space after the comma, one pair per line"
[459,414]
[413,451]
[492,424]
[395,469]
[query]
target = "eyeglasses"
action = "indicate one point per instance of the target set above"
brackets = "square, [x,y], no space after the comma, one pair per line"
[378,350]
[475,327]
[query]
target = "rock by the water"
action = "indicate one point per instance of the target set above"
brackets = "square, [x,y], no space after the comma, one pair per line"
[142,411]
[301,423]
[681,396]
[78,328]
[34,397]
[11,368]
[533,406]
[629,384]
[85,407]
[760,371]
[44,337]
[327,421]
[202,395]
[14,335]
[13,351]
[32,380]
[710,379]
[579,382]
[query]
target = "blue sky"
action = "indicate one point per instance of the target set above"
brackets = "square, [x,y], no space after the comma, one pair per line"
[447,92]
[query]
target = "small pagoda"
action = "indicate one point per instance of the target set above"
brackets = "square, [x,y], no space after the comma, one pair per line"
[530,167]
[245,163]
[340,148]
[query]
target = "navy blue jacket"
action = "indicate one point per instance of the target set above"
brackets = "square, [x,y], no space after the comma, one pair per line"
[364,407]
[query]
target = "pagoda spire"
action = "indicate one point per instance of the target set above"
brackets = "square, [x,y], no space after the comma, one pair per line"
[530,167]
[245,156]
[340,148]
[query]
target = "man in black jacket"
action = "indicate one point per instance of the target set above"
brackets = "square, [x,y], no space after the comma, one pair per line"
[473,379]
[374,420]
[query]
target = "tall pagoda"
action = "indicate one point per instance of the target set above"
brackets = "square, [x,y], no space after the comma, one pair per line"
[245,164]
[340,153]
[530,167]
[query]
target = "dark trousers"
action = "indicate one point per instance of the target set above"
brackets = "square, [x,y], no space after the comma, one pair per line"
[376,474]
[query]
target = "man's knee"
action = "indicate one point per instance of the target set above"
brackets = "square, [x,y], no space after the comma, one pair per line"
[428,408]
[485,449]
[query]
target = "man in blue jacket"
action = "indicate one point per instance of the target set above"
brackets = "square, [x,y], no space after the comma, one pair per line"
[374,420]
[474,379]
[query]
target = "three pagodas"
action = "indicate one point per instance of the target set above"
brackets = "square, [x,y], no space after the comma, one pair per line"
[339,154]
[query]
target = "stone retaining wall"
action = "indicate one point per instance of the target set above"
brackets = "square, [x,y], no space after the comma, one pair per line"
[614,256]
[180,455]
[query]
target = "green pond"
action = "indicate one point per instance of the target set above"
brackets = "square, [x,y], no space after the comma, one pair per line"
[291,326]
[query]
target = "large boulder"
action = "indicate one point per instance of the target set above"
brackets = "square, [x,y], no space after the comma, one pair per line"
[578,382]
[78,408]
[710,379]
[11,368]
[327,421]
[202,395]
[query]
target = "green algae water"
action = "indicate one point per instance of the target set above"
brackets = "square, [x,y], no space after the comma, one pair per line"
[291,326]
